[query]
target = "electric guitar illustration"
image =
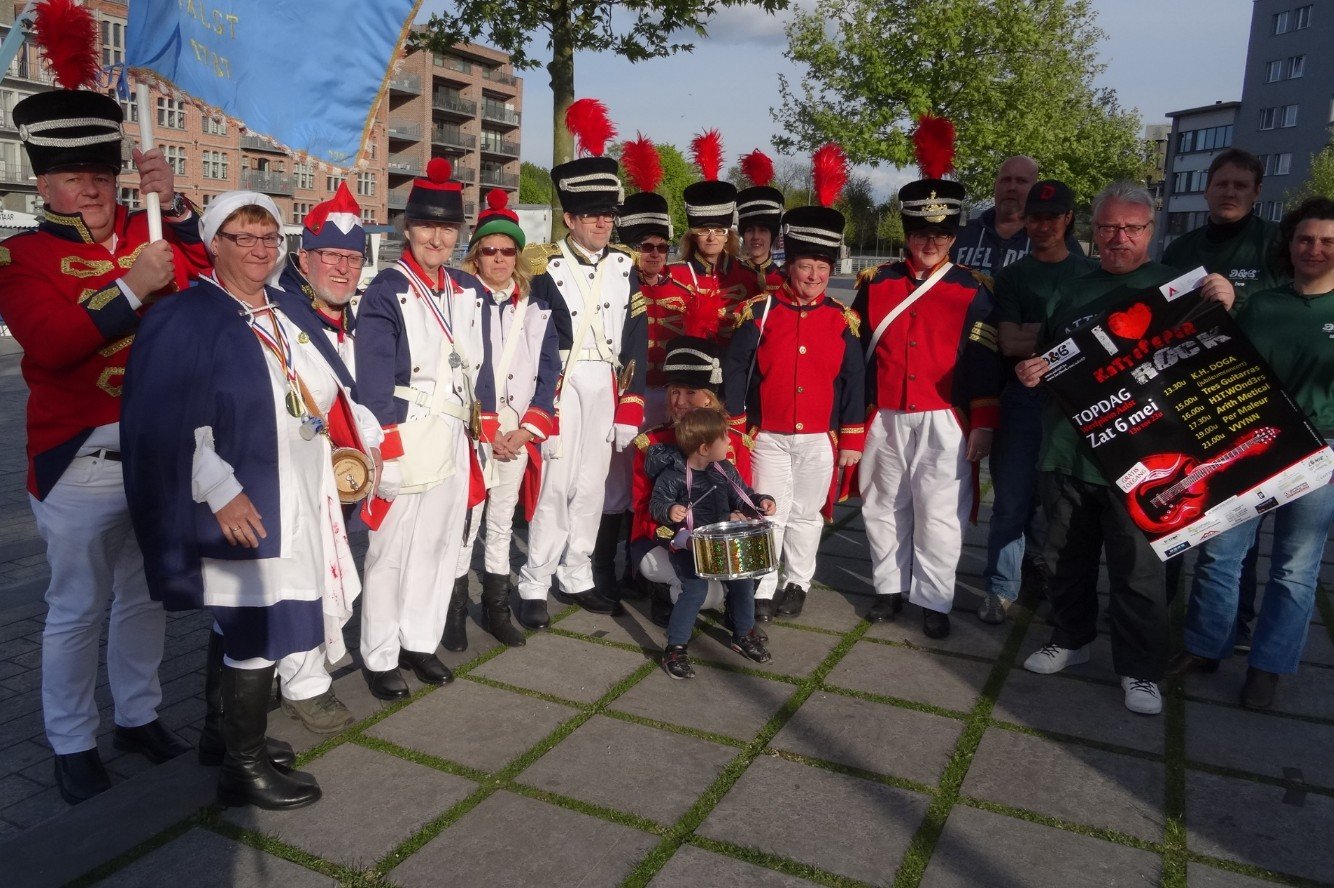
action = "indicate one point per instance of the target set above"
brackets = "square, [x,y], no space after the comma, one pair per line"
[1173,491]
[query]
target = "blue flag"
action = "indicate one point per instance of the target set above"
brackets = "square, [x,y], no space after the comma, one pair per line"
[305,74]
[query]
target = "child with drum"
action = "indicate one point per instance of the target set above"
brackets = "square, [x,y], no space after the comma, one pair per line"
[694,486]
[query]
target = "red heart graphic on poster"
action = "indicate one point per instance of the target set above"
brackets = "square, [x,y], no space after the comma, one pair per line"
[1131,323]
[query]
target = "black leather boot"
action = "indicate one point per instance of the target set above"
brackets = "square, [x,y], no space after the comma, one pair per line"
[496,610]
[456,619]
[247,776]
[211,746]
[604,556]
[660,602]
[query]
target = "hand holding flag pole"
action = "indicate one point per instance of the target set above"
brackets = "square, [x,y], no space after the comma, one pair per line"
[152,202]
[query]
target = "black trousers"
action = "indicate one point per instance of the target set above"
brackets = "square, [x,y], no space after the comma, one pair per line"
[1083,520]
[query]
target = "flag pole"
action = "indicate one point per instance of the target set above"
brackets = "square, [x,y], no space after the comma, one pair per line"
[14,39]
[151,201]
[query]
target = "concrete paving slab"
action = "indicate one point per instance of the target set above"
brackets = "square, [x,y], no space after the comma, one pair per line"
[830,608]
[981,848]
[1267,826]
[1319,648]
[968,634]
[1078,708]
[627,767]
[565,667]
[1070,782]
[1309,692]
[473,724]
[841,824]
[203,859]
[1200,876]
[872,736]
[718,701]
[695,866]
[938,679]
[632,627]
[1259,743]
[518,842]
[796,652]
[372,802]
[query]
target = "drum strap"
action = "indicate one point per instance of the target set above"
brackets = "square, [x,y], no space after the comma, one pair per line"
[741,492]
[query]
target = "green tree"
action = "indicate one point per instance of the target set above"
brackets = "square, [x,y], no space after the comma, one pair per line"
[535,184]
[889,236]
[633,29]
[857,204]
[1319,181]
[1015,76]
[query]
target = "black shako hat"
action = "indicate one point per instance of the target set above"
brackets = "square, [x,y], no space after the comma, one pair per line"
[69,128]
[710,204]
[759,205]
[643,214]
[693,362]
[436,198]
[588,185]
[813,231]
[931,204]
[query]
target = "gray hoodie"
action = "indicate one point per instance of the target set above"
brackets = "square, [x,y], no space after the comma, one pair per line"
[979,247]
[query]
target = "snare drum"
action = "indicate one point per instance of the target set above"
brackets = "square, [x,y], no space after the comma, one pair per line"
[734,550]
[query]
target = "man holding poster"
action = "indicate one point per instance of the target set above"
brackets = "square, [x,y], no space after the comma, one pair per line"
[1085,515]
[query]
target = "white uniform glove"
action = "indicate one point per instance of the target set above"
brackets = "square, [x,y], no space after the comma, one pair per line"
[391,480]
[551,447]
[623,435]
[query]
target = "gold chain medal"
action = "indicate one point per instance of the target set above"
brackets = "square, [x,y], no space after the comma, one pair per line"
[293,401]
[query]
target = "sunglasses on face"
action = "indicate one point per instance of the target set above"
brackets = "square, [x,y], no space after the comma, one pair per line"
[654,248]
[507,252]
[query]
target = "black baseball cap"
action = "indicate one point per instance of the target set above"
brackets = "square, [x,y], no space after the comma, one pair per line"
[1049,196]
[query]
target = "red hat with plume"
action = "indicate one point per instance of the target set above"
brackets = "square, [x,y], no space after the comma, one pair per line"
[644,213]
[818,230]
[711,202]
[932,202]
[760,204]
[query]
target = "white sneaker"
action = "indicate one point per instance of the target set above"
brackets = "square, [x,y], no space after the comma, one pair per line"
[1053,658]
[1142,695]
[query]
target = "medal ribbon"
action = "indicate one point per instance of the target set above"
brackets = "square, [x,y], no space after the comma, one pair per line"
[426,294]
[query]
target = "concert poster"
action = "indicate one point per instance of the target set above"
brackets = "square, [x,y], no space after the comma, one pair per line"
[1183,416]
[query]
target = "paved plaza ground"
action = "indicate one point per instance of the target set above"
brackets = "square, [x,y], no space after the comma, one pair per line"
[861,756]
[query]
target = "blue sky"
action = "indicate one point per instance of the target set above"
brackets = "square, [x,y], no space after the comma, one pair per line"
[1161,55]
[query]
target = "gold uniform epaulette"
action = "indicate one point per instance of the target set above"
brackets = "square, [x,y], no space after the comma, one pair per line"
[538,255]
[984,279]
[853,320]
[746,310]
[868,274]
[984,334]
[638,305]
[5,258]
[622,248]
[748,441]
[642,440]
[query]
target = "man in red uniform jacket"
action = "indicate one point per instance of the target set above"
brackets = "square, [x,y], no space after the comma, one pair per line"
[72,293]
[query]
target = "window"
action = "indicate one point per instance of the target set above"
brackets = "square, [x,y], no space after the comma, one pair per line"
[1288,117]
[1301,17]
[128,197]
[8,99]
[1189,181]
[170,113]
[305,175]
[1204,139]
[1296,66]
[299,211]
[129,108]
[215,165]
[1268,117]
[213,126]
[113,42]
[366,184]
[1282,22]
[368,216]
[1272,210]
[1277,164]
[331,183]
[175,157]
[1274,71]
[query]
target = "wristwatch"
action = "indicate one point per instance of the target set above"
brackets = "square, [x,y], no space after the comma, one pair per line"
[178,207]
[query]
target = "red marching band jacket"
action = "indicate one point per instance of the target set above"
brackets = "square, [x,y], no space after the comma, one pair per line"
[726,279]
[665,303]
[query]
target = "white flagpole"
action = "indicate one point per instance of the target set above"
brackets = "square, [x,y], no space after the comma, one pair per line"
[151,201]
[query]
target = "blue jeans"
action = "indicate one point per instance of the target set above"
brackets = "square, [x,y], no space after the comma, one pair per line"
[1300,530]
[1014,480]
[694,589]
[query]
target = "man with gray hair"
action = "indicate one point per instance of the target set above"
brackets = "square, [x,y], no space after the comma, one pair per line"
[1084,517]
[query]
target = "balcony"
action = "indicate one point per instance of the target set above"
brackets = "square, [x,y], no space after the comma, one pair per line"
[267,182]
[452,137]
[260,143]
[398,197]
[450,63]
[500,114]
[16,173]
[405,167]
[498,179]
[465,174]
[404,132]
[409,84]
[469,209]
[495,75]
[500,147]
[452,103]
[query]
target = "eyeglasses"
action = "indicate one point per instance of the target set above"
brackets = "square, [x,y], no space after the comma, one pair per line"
[705,232]
[933,238]
[249,240]
[654,248]
[507,252]
[595,217]
[1130,231]
[329,257]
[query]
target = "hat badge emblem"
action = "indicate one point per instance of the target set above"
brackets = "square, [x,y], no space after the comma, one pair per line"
[935,212]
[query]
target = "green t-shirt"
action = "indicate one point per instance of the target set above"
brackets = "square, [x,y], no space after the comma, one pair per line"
[1242,258]
[1024,289]
[1077,302]
[1295,335]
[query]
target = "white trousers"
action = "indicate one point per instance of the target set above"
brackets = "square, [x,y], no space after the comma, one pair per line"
[656,567]
[569,508]
[498,509]
[304,676]
[916,495]
[410,566]
[796,471]
[94,556]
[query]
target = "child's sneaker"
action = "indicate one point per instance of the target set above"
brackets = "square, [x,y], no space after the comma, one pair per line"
[677,663]
[751,647]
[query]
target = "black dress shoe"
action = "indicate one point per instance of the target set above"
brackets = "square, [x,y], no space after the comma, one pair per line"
[427,667]
[764,610]
[81,775]
[886,608]
[935,624]
[1184,662]
[388,685]
[1258,692]
[533,614]
[794,599]
[595,602]
[152,741]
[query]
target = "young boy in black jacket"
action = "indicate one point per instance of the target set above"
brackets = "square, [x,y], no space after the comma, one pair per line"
[714,493]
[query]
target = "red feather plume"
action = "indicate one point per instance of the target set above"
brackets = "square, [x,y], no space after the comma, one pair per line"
[704,315]
[641,163]
[706,150]
[757,167]
[588,121]
[934,144]
[829,170]
[67,34]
